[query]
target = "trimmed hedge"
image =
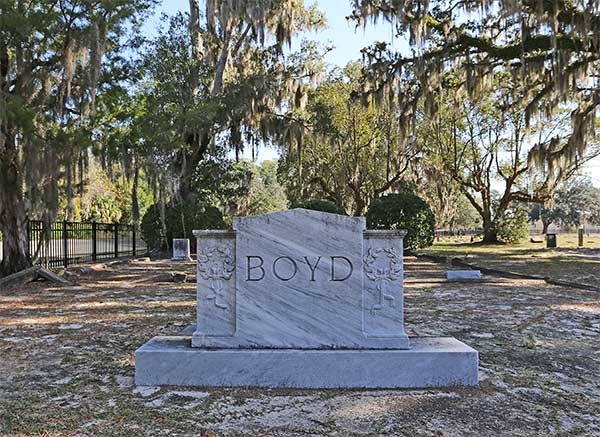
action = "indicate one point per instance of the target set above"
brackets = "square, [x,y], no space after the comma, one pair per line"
[404,211]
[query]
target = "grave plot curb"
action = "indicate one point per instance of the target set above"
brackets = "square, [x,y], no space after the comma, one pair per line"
[507,274]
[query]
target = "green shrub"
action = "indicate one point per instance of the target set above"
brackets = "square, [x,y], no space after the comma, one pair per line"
[404,211]
[511,226]
[180,219]
[322,205]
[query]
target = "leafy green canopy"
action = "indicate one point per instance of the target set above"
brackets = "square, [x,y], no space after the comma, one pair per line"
[238,65]
[52,56]
[575,203]
[511,225]
[551,48]
[351,153]
[220,81]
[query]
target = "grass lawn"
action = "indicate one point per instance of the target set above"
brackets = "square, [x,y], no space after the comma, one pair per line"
[67,364]
[567,261]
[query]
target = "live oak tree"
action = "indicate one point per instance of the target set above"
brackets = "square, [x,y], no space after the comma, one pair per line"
[351,154]
[550,48]
[575,203]
[203,89]
[51,67]
[484,143]
[451,209]
[238,65]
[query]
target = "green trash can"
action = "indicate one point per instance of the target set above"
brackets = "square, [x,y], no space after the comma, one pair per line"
[550,240]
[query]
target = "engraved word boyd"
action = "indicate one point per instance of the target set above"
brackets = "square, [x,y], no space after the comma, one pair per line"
[300,279]
[285,268]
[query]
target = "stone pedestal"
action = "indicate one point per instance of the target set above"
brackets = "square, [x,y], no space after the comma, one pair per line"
[181,249]
[302,299]
[430,362]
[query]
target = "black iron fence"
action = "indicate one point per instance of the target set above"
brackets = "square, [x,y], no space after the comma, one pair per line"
[457,233]
[532,231]
[64,243]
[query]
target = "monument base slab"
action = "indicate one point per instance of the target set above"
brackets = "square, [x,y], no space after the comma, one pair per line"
[431,362]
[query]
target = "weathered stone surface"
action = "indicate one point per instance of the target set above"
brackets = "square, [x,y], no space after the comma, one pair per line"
[463,275]
[181,249]
[216,315]
[300,279]
[431,362]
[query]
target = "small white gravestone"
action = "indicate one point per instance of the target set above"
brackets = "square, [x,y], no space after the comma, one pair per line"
[302,298]
[181,249]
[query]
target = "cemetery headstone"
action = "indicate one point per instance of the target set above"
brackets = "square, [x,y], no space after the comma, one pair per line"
[302,299]
[181,249]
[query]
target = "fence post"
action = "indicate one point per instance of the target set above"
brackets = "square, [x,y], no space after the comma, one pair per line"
[94,241]
[116,240]
[29,225]
[65,245]
[133,238]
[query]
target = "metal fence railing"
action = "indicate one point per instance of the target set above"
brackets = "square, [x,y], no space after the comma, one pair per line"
[457,233]
[532,230]
[572,230]
[65,243]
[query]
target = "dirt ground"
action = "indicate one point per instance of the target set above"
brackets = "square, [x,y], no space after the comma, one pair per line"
[66,363]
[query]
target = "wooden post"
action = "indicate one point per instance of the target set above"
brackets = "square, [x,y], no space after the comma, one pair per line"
[580,235]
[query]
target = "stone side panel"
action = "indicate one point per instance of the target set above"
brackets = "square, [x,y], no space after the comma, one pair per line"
[216,284]
[383,291]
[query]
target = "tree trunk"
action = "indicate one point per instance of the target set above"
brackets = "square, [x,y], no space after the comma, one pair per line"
[13,222]
[217,85]
[197,142]
[199,146]
[489,230]
[545,226]
[360,206]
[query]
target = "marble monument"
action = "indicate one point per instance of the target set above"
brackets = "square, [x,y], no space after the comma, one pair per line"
[307,299]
